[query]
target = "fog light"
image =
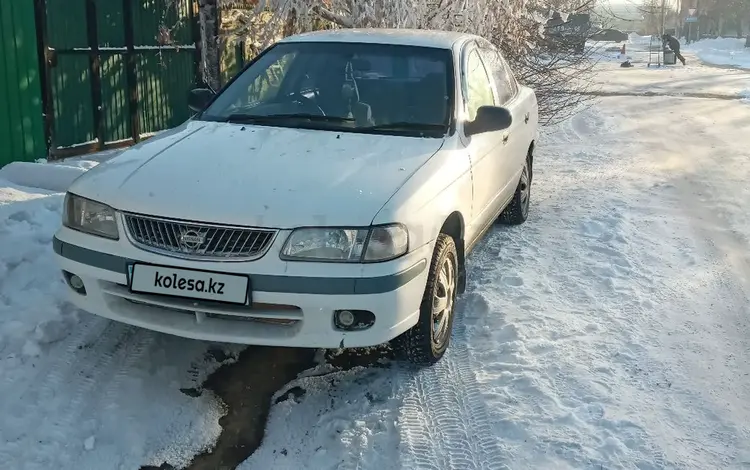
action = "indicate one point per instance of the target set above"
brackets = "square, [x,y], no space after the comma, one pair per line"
[353,320]
[346,318]
[75,282]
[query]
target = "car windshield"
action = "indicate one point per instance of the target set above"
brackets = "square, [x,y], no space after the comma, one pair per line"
[358,87]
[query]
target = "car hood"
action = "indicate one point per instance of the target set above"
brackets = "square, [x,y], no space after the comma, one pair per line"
[258,176]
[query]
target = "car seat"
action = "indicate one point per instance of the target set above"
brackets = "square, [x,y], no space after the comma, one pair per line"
[360,111]
[430,99]
[339,96]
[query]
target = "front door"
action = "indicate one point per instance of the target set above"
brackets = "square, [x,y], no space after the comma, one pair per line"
[487,150]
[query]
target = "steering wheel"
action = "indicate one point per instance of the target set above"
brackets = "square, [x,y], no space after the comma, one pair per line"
[309,105]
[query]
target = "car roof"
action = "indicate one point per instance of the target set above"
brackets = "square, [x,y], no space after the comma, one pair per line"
[401,37]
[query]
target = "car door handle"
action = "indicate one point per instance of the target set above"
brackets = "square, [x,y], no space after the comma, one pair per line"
[526,118]
[506,136]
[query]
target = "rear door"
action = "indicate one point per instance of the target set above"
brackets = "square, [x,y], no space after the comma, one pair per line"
[508,96]
[526,106]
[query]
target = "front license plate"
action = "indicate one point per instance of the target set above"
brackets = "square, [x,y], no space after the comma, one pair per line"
[206,285]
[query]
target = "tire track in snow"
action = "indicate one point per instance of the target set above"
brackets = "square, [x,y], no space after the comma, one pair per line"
[48,377]
[101,340]
[137,342]
[444,421]
[104,348]
[39,390]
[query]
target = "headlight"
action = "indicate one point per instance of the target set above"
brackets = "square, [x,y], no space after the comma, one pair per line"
[89,216]
[348,245]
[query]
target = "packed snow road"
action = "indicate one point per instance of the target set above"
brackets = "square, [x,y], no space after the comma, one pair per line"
[612,330]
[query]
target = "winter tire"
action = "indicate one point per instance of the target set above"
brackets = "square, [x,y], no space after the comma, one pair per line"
[518,209]
[426,342]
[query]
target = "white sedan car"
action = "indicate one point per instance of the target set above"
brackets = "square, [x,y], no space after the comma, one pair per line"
[326,197]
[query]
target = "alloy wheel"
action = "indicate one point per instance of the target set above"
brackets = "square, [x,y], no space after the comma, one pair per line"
[442,303]
[525,190]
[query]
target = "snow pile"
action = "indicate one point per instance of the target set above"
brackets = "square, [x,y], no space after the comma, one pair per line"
[79,391]
[29,280]
[41,175]
[722,51]
[745,94]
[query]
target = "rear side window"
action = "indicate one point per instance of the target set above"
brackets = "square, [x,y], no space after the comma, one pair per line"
[504,83]
[509,74]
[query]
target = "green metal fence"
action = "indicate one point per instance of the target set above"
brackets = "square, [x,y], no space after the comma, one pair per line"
[21,127]
[84,75]
[117,70]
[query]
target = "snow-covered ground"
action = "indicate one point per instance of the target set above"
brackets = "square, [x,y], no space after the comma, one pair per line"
[694,80]
[612,330]
[78,391]
[722,51]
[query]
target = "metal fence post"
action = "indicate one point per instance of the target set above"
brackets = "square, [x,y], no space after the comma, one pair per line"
[131,70]
[92,29]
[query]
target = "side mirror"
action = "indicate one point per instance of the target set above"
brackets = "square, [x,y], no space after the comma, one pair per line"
[489,119]
[198,98]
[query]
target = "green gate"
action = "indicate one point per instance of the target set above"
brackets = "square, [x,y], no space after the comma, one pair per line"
[116,70]
[21,128]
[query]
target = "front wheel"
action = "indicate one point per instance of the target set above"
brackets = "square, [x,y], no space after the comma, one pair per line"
[426,342]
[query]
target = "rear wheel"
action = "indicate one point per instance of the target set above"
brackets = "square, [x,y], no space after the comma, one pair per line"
[518,209]
[426,342]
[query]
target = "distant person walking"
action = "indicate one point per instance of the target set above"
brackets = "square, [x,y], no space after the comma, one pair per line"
[673,44]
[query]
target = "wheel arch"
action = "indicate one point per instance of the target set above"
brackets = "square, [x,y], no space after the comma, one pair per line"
[454,227]
[530,156]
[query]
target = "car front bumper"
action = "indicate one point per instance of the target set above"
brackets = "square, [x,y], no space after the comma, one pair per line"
[293,303]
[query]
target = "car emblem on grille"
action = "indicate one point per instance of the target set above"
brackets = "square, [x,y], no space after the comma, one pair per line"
[192,239]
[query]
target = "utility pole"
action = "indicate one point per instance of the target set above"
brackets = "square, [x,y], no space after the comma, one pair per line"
[690,20]
[698,26]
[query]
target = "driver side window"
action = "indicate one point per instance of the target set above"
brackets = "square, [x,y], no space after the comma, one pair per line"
[478,89]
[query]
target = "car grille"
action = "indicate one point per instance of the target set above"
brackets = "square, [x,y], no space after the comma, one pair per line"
[198,240]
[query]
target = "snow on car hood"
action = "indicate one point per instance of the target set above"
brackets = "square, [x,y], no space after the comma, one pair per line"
[257,175]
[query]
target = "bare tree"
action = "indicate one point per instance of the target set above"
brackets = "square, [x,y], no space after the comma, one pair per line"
[209,26]
[561,76]
[559,67]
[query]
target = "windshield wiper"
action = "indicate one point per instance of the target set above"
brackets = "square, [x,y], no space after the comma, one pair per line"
[405,125]
[244,118]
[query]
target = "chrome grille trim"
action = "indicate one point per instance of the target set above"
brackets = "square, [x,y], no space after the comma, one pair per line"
[220,242]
